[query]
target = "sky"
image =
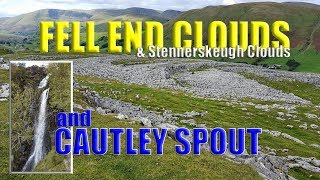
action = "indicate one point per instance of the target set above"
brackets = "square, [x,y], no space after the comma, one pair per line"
[10,8]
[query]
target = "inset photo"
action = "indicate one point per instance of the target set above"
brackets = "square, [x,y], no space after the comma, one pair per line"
[39,90]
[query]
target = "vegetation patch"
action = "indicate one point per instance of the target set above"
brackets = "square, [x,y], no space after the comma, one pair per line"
[4,76]
[300,173]
[219,113]
[305,91]
[292,64]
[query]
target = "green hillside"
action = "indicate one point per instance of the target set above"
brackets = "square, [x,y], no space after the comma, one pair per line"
[304,20]
[28,24]
[20,33]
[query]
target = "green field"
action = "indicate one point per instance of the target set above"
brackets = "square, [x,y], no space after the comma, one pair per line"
[309,61]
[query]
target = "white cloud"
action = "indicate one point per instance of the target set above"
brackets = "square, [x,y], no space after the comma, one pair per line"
[228,2]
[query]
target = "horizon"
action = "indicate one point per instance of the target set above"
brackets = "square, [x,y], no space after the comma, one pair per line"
[97,4]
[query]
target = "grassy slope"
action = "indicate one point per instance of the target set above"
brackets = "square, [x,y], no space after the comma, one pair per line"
[219,114]
[302,20]
[299,173]
[309,60]
[134,167]
[4,76]
[52,162]
[126,167]
[28,23]
[303,90]
[102,26]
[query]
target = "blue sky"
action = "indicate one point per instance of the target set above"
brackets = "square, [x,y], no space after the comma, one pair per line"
[16,7]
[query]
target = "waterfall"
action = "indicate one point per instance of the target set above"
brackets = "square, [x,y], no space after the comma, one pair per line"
[39,150]
[43,82]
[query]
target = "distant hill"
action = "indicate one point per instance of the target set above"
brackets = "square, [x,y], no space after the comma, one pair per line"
[169,14]
[303,4]
[28,24]
[303,18]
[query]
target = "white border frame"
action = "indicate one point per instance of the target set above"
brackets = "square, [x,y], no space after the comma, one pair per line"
[10,128]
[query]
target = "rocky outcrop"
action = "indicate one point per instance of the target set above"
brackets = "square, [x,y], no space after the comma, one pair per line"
[20,156]
[213,80]
[285,135]
[310,78]
[3,64]
[4,91]
[126,109]
[268,166]
[203,78]
[310,164]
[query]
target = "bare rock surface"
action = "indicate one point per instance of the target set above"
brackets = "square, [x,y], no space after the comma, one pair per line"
[216,82]
[269,166]
[4,91]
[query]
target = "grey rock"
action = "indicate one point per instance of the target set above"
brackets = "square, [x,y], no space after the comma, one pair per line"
[272,153]
[285,150]
[191,114]
[279,118]
[201,126]
[4,90]
[290,126]
[122,116]
[4,66]
[101,111]
[90,108]
[191,122]
[310,164]
[315,162]
[219,81]
[311,116]
[285,135]
[146,122]
[77,106]
[315,145]
[268,166]
[304,126]
[125,110]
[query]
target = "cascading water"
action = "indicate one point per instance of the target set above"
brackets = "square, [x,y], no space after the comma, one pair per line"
[39,150]
[43,82]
